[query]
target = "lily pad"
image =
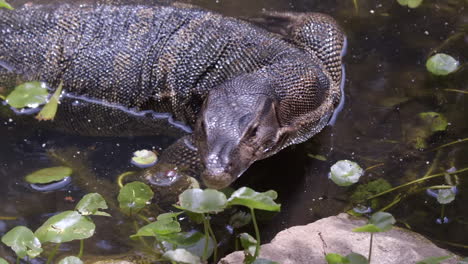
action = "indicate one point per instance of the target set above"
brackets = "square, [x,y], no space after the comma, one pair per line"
[64,227]
[345,172]
[70,260]
[379,222]
[165,224]
[248,242]
[90,205]
[442,64]
[410,3]
[4,4]
[333,258]
[144,158]
[435,121]
[433,260]
[50,109]
[23,242]
[182,256]
[255,200]
[29,94]
[202,201]
[134,196]
[49,175]
[446,196]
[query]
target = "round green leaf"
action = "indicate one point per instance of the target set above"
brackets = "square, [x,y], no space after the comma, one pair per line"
[433,260]
[410,3]
[379,222]
[144,158]
[70,260]
[182,256]
[23,242]
[255,200]
[64,227]
[445,196]
[134,196]
[192,241]
[3,261]
[333,258]
[49,175]
[202,201]
[29,94]
[165,224]
[442,64]
[434,121]
[354,258]
[345,172]
[90,205]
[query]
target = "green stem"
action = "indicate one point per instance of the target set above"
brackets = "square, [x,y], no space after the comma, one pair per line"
[442,212]
[17,260]
[52,255]
[215,242]
[257,233]
[205,225]
[397,200]
[416,181]
[451,143]
[370,246]
[80,254]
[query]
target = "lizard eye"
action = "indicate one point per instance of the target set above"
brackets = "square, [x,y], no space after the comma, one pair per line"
[253,131]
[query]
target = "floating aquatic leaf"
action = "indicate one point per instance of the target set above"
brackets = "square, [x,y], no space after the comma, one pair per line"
[90,205]
[70,260]
[165,224]
[182,256]
[50,109]
[23,242]
[4,4]
[202,201]
[435,121]
[445,196]
[29,94]
[3,261]
[433,260]
[410,3]
[64,227]
[442,64]
[379,222]
[134,196]
[49,175]
[144,158]
[255,200]
[345,172]
[248,243]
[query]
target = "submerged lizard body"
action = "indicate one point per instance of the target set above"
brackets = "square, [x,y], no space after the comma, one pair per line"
[245,92]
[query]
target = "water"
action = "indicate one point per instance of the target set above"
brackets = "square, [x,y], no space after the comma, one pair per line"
[387,86]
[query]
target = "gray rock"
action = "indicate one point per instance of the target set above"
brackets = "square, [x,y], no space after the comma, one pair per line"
[310,243]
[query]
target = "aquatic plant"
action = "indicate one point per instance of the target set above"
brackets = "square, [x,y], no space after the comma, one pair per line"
[4,4]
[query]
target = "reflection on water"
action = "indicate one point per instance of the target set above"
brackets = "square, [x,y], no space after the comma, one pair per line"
[387,86]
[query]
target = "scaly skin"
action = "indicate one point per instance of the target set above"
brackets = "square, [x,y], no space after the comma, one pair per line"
[247,93]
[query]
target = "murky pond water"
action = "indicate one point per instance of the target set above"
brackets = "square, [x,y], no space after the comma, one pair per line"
[387,86]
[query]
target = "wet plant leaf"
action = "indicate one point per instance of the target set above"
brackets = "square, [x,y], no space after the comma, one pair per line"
[49,175]
[446,196]
[134,196]
[64,227]
[202,201]
[3,261]
[333,258]
[352,258]
[248,243]
[193,241]
[379,222]
[4,4]
[182,256]
[433,260]
[255,200]
[165,224]
[29,94]
[70,260]
[345,172]
[435,121]
[50,109]
[144,158]
[442,64]
[90,205]
[355,258]
[366,190]
[23,242]
[410,3]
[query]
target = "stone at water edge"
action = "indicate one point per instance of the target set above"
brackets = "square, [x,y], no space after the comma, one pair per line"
[310,243]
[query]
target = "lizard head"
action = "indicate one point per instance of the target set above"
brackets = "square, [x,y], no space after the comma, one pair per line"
[235,129]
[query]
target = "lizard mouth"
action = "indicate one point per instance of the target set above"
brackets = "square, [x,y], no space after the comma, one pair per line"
[217,180]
